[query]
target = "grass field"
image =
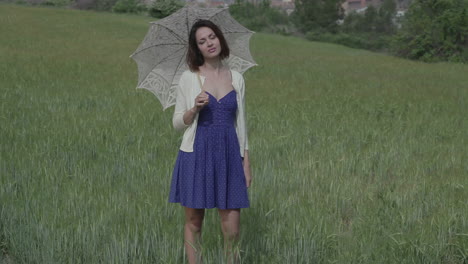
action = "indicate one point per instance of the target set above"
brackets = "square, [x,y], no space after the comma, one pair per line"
[357,157]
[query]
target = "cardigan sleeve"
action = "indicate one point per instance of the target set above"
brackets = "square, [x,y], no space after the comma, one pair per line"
[243,115]
[180,107]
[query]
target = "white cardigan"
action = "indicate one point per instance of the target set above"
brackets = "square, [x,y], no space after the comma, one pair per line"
[187,91]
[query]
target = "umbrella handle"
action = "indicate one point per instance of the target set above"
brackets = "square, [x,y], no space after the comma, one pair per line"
[199,81]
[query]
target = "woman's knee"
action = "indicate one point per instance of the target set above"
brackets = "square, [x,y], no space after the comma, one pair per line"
[195,226]
[230,232]
[194,219]
[230,223]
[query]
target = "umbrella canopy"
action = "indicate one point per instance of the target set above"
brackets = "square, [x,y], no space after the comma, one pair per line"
[161,55]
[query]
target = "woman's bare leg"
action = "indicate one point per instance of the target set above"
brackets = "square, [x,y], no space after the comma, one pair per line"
[192,234]
[230,221]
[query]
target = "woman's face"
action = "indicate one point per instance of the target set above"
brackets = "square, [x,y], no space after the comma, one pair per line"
[208,43]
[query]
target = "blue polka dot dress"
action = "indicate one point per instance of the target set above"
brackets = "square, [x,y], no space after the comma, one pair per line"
[212,176]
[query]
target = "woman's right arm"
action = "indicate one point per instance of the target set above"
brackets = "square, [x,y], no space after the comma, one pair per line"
[201,100]
[180,109]
[183,114]
[189,116]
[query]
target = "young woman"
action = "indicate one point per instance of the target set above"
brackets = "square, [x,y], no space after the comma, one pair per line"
[212,168]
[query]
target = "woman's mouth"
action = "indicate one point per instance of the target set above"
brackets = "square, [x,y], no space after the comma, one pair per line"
[212,50]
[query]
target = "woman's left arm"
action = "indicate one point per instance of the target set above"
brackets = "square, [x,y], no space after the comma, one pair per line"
[247,172]
[242,129]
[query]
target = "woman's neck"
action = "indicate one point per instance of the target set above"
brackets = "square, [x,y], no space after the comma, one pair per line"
[212,66]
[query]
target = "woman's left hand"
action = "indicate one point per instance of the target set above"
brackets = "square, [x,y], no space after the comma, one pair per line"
[247,173]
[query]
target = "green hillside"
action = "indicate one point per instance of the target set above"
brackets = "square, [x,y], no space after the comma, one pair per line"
[357,157]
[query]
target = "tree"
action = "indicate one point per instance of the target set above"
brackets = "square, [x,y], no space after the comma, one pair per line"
[370,20]
[259,17]
[434,30]
[387,12]
[318,15]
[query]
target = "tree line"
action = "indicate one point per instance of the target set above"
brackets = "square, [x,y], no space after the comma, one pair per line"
[430,30]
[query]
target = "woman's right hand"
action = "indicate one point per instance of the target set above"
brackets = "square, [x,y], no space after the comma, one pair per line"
[201,100]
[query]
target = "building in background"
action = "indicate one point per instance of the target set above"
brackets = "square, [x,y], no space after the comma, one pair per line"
[211,3]
[360,6]
[285,5]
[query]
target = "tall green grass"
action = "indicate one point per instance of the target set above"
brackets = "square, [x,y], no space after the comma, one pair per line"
[357,157]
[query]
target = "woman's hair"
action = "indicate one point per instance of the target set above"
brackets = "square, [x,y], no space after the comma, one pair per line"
[194,56]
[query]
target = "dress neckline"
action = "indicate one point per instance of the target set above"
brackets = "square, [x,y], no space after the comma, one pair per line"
[204,77]
[221,97]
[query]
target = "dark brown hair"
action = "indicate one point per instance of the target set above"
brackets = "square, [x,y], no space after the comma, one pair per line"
[194,56]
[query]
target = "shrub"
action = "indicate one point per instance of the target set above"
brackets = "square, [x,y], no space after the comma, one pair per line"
[98,5]
[368,41]
[434,31]
[56,3]
[261,17]
[164,8]
[128,6]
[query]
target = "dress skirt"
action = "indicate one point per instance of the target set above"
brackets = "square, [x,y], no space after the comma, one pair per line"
[212,176]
